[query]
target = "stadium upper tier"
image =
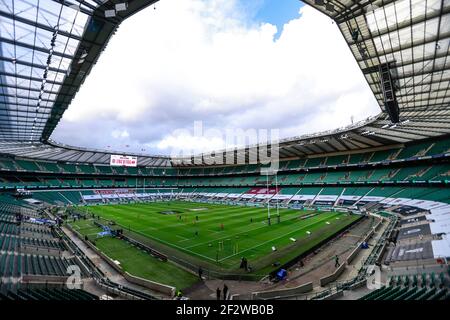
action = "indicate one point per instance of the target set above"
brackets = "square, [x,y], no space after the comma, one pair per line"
[68,162]
[425,162]
[324,155]
[48,50]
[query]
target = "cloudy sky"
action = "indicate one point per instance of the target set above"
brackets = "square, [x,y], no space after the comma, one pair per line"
[231,64]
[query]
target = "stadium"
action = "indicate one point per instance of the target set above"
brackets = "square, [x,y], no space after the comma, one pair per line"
[361,212]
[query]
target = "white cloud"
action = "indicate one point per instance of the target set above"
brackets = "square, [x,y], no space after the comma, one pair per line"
[116,134]
[203,60]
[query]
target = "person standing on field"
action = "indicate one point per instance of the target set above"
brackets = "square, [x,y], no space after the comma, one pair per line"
[218,293]
[200,273]
[225,291]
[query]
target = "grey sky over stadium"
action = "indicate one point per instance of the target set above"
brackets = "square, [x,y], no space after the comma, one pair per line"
[221,63]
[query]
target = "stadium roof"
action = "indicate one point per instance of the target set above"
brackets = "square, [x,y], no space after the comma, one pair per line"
[356,138]
[47,48]
[401,46]
[52,151]
[412,39]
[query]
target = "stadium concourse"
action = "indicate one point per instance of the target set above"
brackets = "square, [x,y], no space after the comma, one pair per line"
[359,212]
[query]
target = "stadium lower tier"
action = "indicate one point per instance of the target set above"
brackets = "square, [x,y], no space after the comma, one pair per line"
[327,196]
[430,203]
[44,294]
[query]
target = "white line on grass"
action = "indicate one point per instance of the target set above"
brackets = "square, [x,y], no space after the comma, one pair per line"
[239,233]
[284,235]
[171,244]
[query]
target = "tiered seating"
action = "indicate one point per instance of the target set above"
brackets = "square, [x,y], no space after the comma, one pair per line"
[378,175]
[407,173]
[104,169]
[15,263]
[72,196]
[334,176]
[439,147]
[314,162]
[8,228]
[383,155]
[310,190]
[131,170]
[43,265]
[411,287]
[82,168]
[48,294]
[27,165]
[42,243]
[355,176]
[359,158]
[32,228]
[331,191]
[359,191]
[336,160]
[88,183]
[8,243]
[105,182]
[8,165]
[7,217]
[68,168]
[414,150]
[49,166]
[118,170]
[52,197]
[385,191]
[119,183]
[54,182]
[313,177]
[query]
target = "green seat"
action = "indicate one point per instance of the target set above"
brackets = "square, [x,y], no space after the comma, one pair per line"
[414,283]
[407,294]
[427,294]
[417,294]
[388,293]
[438,295]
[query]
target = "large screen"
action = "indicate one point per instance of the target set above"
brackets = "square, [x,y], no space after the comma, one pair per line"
[126,161]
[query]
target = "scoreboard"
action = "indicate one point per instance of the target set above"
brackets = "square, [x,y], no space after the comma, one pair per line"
[124,161]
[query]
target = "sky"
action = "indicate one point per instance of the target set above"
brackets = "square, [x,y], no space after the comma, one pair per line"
[223,65]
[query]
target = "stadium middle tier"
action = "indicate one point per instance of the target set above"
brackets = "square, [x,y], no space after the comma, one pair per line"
[430,173]
[417,154]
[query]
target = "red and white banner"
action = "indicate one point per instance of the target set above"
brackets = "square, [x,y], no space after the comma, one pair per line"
[125,161]
[113,191]
[269,190]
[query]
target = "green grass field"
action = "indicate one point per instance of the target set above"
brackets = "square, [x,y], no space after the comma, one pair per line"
[135,261]
[205,240]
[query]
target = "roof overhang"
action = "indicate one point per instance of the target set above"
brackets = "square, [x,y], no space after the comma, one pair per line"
[410,39]
[47,49]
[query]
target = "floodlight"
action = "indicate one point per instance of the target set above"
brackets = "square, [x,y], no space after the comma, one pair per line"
[329,7]
[110,13]
[121,6]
